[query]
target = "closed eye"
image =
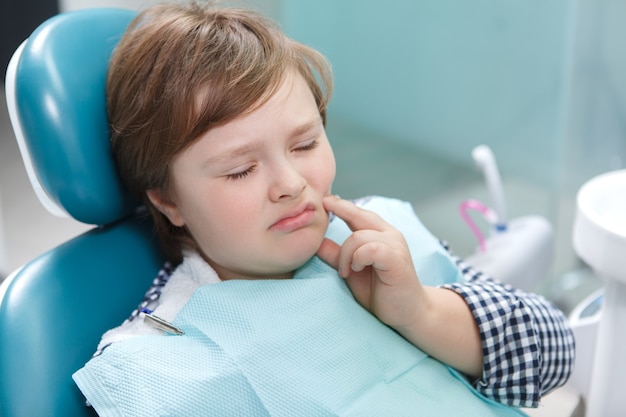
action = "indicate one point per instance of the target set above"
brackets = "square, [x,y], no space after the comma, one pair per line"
[241,174]
[307,146]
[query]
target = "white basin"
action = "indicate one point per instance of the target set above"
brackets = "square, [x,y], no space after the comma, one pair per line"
[600,240]
[600,226]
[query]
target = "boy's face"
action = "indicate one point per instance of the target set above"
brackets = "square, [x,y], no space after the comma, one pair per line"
[250,192]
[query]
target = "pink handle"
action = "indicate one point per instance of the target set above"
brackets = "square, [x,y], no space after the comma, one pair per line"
[487,213]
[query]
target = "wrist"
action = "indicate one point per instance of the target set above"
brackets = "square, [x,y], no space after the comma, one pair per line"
[443,326]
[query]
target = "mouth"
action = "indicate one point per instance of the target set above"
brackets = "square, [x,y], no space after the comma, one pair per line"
[300,217]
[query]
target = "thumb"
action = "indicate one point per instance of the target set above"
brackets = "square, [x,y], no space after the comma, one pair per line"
[329,252]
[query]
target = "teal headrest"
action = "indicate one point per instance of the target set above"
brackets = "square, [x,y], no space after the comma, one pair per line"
[61,107]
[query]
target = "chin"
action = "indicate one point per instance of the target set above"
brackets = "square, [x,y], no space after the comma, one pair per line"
[300,259]
[309,246]
[298,256]
[291,254]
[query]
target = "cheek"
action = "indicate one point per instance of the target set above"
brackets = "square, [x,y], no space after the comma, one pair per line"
[325,171]
[226,210]
[235,210]
[220,224]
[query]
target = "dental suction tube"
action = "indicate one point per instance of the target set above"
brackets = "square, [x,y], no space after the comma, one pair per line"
[484,159]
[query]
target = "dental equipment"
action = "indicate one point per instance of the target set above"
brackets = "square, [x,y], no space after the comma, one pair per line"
[518,251]
[599,239]
[484,159]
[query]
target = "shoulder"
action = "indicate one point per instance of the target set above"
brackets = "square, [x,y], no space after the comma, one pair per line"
[168,293]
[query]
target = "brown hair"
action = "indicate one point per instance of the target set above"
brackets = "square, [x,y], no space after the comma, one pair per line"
[180,70]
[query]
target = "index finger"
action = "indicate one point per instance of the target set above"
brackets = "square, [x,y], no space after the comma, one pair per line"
[355,217]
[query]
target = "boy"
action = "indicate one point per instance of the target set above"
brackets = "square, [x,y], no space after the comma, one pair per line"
[217,122]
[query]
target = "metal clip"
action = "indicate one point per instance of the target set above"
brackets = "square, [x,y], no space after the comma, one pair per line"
[158,323]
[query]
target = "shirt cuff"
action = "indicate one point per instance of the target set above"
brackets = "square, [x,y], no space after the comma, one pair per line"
[511,358]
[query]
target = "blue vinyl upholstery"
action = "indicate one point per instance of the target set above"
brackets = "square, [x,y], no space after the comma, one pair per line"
[56,307]
[62,111]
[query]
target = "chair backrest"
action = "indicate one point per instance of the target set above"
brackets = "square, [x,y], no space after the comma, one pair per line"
[54,309]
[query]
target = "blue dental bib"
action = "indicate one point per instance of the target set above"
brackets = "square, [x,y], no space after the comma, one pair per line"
[300,347]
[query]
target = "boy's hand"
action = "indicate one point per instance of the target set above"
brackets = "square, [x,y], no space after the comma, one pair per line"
[376,264]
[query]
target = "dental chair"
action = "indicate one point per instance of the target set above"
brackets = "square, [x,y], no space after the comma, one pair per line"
[54,309]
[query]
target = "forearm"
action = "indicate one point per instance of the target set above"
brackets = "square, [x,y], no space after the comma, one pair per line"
[445,328]
[528,345]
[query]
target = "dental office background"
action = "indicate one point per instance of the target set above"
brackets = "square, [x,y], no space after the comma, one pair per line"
[419,84]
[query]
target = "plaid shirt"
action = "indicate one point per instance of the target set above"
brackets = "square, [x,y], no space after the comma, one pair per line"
[528,347]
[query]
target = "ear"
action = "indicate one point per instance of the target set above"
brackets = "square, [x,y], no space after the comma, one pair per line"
[166,206]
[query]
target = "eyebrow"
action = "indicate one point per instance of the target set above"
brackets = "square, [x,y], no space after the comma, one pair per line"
[307,126]
[254,145]
[234,153]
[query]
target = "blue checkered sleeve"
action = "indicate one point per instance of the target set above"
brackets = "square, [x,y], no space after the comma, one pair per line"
[528,346]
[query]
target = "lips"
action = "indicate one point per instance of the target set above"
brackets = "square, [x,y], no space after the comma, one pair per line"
[295,219]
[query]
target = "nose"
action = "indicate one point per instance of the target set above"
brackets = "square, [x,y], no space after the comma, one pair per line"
[287,182]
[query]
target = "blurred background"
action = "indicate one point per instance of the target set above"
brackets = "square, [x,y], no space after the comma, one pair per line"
[419,84]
